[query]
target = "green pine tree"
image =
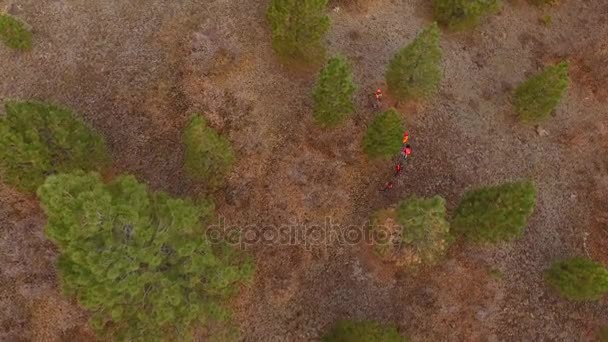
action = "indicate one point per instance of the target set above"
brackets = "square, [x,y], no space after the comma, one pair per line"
[14,33]
[383,137]
[463,14]
[415,71]
[537,97]
[209,156]
[363,331]
[298,28]
[333,94]
[579,279]
[38,139]
[495,213]
[139,261]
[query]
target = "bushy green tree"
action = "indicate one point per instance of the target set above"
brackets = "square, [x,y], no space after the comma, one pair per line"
[363,331]
[463,14]
[37,140]
[416,233]
[425,226]
[537,97]
[495,213]
[209,156]
[383,137]
[14,33]
[298,28]
[333,94]
[415,71]
[139,261]
[579,279]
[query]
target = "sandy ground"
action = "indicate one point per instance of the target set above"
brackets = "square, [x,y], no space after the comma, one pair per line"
[137,70]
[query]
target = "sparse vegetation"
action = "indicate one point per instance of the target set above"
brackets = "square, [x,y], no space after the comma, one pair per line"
[495,213]
[14,33]
[138,260]
[546,20]
[298,28]
[363,331]
[383,136]
[333,94]
[579,278]
[537,97]
[415,71]
[37,140]
[209,156]
[416,233]
[463,14]
[603,334]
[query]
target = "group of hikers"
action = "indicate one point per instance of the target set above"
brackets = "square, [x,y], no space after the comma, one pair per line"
[406,149]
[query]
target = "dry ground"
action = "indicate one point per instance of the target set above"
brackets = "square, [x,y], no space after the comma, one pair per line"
[137,69]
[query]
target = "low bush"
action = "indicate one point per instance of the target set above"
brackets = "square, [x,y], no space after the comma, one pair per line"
[139,261]
[209,156]
[463,14]
[383,137]
[333,94]
[363,331]
[415,71]
[495,213]
[537,97]
[37,140]
[298,28]
[417,232]
[14,33]
[579,279]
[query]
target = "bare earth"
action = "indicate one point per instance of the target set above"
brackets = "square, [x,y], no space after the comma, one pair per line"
[136,70]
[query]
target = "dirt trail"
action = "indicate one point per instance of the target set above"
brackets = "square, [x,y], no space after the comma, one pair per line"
[137,75]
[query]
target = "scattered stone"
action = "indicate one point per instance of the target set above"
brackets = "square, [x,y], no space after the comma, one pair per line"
[541,131]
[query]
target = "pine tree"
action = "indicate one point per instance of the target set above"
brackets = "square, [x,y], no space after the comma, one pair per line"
[495,213]
[463,14]
[209,156]
[333,94]
[383,136]
[363,331]
[298,28]
[537,97]
[138,261]
[579,279]
[415,71]
[37,140]
[425,227]
[14,33]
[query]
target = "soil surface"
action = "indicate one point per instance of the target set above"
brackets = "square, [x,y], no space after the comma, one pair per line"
[137,70]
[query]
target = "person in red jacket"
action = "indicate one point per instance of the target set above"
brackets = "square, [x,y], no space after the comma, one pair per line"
[407,150]
[398,169]
[387,186]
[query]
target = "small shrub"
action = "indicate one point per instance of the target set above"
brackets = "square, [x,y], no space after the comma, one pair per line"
[333,94]
[139,261]
[416,233]
[298,28]
[546,20]
[415,71]
[209,156]
[495,213]
[363,331]
[463,14]
[537,97]
[14,33]
[383,136]
[37,140]
[579,279]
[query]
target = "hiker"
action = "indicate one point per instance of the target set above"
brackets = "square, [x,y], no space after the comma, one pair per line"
[398,169]
[378,95]
[387,186]
[407,150]
[406,137]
